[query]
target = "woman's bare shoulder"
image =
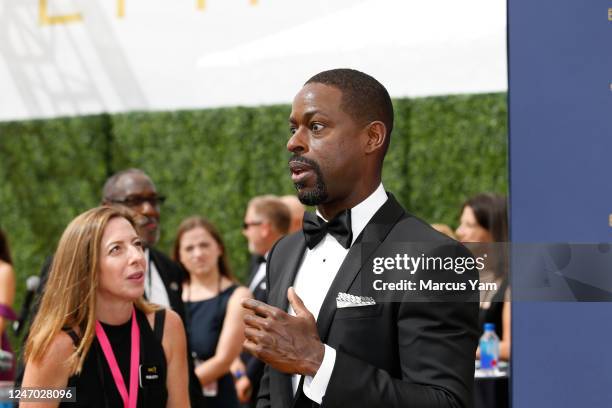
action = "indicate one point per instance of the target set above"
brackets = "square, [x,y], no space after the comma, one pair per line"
[6,271]
[240,293]
[173,324]
[59,351]
[62,345]
[173,321]
[53,368]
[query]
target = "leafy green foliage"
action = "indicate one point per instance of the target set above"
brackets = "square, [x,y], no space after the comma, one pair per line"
[457,149]
[211,162]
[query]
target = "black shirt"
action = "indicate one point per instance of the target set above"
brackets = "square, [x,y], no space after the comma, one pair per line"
[95,386]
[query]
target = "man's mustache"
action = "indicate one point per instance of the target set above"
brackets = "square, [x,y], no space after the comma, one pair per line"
[143,220]
[302,159]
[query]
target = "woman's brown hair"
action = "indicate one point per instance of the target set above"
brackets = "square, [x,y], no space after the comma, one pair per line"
[5,253]
[491,213]
[69,299]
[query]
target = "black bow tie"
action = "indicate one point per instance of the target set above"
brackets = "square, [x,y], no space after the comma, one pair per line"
[315,229]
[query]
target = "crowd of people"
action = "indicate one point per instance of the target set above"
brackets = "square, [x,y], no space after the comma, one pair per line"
[128,325]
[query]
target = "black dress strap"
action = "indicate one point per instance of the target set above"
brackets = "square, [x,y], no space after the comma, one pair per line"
[76,340]
[158,325]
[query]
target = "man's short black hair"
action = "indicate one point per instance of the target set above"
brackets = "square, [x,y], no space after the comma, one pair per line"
[111,182]
[363,97]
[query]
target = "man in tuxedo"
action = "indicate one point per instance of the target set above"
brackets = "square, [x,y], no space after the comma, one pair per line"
[376,354]
[266,220]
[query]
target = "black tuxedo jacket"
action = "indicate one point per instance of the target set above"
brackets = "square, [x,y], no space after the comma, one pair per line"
[254,366]
[403,354]
[172,275]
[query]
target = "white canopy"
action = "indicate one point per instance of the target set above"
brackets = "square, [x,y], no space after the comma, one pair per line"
[174,55]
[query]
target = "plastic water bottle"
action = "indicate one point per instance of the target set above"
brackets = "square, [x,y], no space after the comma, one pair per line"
[489,350]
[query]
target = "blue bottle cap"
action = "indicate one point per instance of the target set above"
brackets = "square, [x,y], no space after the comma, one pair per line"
[489,326]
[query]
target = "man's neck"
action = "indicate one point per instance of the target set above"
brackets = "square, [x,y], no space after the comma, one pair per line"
[331,209]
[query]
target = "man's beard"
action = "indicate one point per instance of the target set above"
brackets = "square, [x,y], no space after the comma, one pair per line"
[156,236]
[318,194]
[150,238]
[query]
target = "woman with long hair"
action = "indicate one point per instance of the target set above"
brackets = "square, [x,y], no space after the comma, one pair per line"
[7,295]
[214,314]
[95,332]
[484,219]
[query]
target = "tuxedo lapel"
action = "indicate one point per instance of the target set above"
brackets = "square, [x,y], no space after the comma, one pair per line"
[373,235]
[253,267]
[288,270]
[290,257]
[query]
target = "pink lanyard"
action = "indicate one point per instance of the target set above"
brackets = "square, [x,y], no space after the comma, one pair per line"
[129,400]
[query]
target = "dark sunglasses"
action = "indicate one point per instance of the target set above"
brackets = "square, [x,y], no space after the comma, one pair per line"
[137,201]
[246,225]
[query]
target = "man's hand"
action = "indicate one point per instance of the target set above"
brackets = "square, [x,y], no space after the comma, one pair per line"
[290,344]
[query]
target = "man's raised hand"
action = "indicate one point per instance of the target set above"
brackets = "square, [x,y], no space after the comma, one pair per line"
[290,344]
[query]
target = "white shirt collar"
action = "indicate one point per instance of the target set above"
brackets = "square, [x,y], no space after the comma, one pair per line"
[363,212]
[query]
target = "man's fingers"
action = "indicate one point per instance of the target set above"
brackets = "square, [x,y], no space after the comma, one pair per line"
[261,337]
[258,350]
[256,322]
[253,335]
[260,308]
[251,347]
[296,303]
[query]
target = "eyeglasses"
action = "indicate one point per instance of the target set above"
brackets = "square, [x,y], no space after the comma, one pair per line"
[137,201]
[246,225]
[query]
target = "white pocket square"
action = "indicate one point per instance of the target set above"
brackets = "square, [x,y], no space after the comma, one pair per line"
[344,300]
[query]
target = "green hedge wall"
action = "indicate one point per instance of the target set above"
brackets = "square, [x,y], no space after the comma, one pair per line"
[210,162]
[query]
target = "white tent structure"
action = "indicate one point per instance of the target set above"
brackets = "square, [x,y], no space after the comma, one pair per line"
[160,55]
[415,48]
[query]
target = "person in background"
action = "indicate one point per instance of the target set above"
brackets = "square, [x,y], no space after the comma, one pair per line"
[7,295]
[95,332]
[297,209]
[267,219]
[444,229]
[134,189]
[214,316]
[484,219]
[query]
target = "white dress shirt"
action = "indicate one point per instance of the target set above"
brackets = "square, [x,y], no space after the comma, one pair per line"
[314,278]
[155,290]
[260,275]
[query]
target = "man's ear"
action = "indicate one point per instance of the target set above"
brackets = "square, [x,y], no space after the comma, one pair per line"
[376,136]
[266,229]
